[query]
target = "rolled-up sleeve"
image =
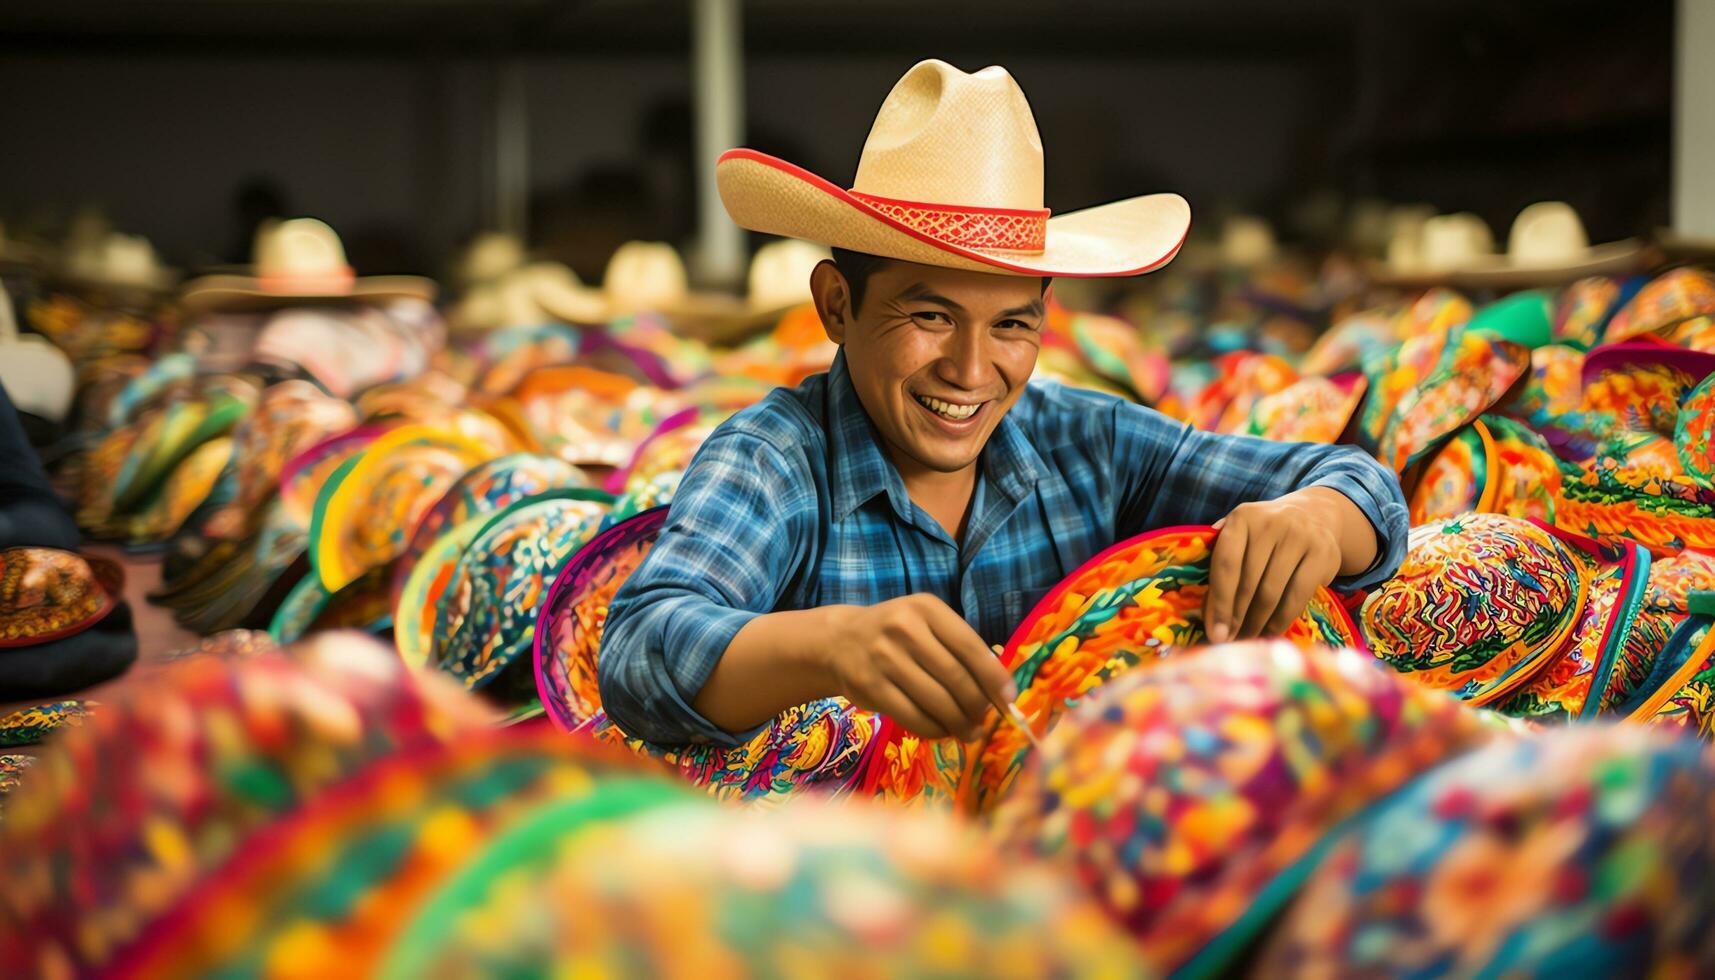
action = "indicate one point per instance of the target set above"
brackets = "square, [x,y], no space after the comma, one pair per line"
[1170,473]
[739,525]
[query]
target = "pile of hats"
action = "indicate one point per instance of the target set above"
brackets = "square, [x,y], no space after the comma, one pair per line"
[322,810]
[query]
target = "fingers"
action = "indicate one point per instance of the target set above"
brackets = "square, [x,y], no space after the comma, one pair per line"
[932,699]
[889,700]
[1226,566]
[1260,545]
[1277,576]
[976,661]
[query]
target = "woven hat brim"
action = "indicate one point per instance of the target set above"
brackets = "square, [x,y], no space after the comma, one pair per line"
[1125,238]
[1613,258]
[241,294]
[1501,272]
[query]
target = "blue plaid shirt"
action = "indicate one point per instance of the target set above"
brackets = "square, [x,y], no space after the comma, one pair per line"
[792,504]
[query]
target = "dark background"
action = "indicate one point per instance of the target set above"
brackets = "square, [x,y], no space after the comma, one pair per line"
[377,115]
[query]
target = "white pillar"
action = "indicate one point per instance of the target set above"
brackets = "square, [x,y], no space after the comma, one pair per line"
[717,79]
[1694,120]
[511,150]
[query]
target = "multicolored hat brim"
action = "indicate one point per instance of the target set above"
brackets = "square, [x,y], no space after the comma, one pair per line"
[565,646]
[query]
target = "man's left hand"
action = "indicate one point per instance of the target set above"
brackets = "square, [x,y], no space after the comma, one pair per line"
[1271,556]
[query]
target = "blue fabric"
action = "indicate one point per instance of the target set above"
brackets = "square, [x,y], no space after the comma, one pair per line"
[792,504]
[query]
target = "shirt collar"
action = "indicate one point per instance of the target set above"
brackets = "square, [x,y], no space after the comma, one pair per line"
[860,469]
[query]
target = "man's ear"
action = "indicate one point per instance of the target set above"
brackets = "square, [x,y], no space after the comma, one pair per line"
[833,298]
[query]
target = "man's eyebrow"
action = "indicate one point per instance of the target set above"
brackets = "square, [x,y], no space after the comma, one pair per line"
[922,293]
[1033,308]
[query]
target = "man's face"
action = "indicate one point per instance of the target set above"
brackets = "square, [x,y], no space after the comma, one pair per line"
[937,355]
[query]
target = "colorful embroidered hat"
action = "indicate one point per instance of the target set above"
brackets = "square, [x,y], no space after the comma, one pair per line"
[668,449]
[484,488]
[364,516]
[48,594]
[1666,301]
[309,607]
[28,726]
[1310,410]
[1582,313]
[416,610]
[1680,692]
[1480,604]
[1351,342]
[1473,374]
[355,864]
[569,626]
[824,747]
[951,175]
[1191,799]
[177,773]
[304,475]
[1694,433]
[1613,648]
[1554,387]
[1578,852]
[1116,350]
[1641,383]
[171,436]
[290,417]
[1495,465]
[241,582]
[1130,605]
[502,578]
[1672,580]
[1525,318]
[808,887]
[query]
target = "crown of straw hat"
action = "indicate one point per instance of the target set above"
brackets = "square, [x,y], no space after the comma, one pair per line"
[491,255]
[951,175]
[644,276]
[780,273]
[1547,232]
[117,259]
[1247,241]
[1451,241]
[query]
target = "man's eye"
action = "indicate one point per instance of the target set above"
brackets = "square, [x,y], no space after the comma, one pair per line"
[1015,325]
[932,316]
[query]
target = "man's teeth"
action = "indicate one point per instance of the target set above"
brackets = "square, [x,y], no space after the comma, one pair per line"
[947,409]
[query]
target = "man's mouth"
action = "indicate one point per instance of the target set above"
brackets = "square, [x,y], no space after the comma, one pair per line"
[950,411]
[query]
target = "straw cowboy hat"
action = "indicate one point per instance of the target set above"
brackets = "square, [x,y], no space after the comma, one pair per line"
[1548,245]
[116,261]
[1428,251]
[37,376]
[649,277]
[298,261]
[489,256]
[951,175]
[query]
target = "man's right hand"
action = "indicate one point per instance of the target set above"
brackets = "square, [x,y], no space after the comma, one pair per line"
[917,661]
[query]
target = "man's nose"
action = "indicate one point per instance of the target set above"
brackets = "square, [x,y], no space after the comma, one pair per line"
[966,362]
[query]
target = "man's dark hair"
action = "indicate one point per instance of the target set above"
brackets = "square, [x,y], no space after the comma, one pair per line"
[857,267]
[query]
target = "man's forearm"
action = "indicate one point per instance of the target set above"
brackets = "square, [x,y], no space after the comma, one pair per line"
[774,662]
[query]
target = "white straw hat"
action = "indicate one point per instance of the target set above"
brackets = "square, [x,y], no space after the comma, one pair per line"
[951,175]
[37,376]
[297,262]
[1548,245]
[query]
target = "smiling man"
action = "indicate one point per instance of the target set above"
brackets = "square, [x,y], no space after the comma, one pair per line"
[872,531]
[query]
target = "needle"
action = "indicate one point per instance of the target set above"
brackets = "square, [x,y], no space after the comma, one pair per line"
[1017,717]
